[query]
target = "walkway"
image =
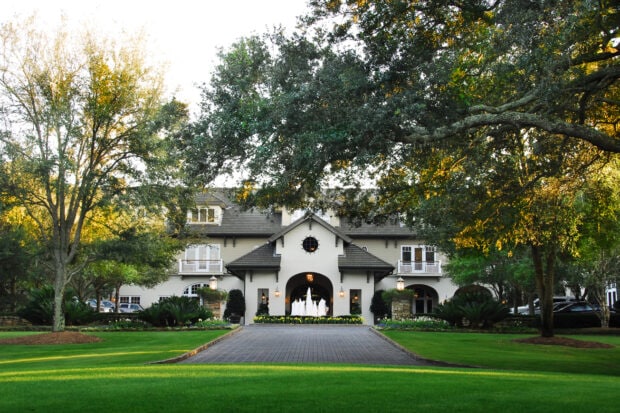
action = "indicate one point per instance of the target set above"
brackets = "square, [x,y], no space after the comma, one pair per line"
[263,343]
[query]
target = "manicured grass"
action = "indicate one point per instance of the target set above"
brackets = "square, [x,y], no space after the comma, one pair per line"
[112,376]
[500,351]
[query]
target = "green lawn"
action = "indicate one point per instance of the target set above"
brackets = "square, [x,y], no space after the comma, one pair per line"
[499,351]
[113,376]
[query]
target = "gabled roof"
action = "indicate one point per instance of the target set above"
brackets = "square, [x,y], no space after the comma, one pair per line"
[356,258]
[263,257]
[310,219]
[390,228]
[239,222]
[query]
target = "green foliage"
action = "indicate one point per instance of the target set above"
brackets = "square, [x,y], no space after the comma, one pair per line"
[424,323]
[393,294]
[175,312]
[235,306]
[379,307]
[210,295]
[472,310]
[276,319]
[263,309]
[40,308]
[103,135]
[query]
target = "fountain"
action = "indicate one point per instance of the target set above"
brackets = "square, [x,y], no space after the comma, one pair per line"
[308,307]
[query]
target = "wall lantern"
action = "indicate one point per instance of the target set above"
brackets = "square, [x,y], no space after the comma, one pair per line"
[341,293]
[277,292]
[213,282]
[400,284]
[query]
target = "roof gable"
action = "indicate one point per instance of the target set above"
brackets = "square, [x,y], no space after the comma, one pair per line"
[310,219]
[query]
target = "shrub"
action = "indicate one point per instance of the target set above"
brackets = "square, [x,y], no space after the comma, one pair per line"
[263,309]
[40,308]
[417,323]
[475,310]
[235,306]
[379,307]
[285,319]
[175,312]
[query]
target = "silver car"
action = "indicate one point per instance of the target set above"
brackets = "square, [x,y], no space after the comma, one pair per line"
[130,308]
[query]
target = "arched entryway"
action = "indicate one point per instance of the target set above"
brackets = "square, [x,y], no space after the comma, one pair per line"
[425,299]
[320,288]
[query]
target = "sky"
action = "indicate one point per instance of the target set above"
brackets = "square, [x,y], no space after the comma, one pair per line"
[184,34]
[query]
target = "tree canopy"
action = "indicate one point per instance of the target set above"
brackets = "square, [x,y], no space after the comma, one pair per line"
[85,127]
[370,81]
[481,117]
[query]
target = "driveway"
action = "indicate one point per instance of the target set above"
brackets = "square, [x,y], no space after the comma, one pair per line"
[264,343]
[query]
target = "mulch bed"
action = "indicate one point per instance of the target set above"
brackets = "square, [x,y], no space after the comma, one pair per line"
[65,337]
[563,341]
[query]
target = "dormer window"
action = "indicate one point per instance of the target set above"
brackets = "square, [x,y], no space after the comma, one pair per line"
[204,215]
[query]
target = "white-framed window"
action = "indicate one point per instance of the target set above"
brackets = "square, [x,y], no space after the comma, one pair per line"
[192,290]
[202,255]
[129,299]
[204,215]
[419,259]
[418,253]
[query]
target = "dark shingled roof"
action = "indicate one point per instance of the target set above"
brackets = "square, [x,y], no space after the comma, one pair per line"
[238,222]
[263,257]
[356,258]
[388,229]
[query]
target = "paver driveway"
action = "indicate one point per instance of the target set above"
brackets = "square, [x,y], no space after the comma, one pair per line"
[305,344]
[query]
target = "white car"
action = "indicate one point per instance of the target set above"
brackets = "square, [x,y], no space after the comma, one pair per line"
[130,308]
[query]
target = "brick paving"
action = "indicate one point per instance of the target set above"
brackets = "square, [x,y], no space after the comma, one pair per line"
[263,343]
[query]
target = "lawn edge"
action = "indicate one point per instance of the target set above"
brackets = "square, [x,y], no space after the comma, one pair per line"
[197,350]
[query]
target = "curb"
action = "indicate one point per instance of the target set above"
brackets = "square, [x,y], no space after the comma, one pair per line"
[197,350]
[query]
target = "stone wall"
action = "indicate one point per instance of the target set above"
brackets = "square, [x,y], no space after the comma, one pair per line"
[401,309]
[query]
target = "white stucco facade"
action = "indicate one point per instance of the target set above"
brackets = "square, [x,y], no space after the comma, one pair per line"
[273,258]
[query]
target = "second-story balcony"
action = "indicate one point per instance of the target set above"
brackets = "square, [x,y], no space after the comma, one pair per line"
[199,267]
[419,268]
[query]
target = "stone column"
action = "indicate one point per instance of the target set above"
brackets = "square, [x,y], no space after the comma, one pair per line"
[401,309]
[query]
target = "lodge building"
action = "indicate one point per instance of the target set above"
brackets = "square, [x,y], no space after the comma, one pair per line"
[275,258]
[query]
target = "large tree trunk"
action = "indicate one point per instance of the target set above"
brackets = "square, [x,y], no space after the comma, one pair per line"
[59,294]
[544,270]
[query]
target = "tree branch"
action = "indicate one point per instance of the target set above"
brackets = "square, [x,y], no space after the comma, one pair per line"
[520,120]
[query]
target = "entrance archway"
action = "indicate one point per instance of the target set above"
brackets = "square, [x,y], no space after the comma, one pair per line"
[425,299]
[320,287]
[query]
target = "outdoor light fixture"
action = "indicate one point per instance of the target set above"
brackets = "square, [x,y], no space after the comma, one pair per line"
[341,293]
[213,282]
[310,277]
[276,292]
[400,284]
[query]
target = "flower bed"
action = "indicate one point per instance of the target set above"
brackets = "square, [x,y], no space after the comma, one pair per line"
[418,323]
[271,319]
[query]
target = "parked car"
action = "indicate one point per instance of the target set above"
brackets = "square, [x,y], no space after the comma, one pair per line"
[559,299]
[574,307]
[130,307]
[104,305]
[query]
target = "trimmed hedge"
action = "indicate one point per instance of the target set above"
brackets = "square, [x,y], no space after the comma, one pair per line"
[275,319]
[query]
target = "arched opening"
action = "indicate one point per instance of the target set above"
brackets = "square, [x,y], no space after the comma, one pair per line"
[425,299]
[320,288]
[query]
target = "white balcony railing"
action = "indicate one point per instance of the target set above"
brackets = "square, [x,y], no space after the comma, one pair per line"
[419,267]
[201,266]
